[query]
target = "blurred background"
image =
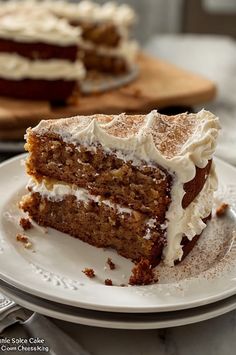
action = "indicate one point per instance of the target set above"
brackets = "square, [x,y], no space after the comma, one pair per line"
[183,16]
[198,35]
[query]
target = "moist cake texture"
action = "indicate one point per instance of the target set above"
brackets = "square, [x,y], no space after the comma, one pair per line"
[141,184]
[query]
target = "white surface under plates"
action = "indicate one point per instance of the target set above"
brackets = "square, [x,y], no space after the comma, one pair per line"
[52,268]
[212,337]
[215,58]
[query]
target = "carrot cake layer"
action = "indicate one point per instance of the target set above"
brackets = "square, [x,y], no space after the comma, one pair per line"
[94,220]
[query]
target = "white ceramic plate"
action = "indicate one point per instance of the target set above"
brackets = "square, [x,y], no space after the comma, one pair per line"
[11,147]
[105,82]
[52,269]
[118,320]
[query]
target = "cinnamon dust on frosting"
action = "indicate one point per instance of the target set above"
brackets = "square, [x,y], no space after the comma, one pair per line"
[178,143]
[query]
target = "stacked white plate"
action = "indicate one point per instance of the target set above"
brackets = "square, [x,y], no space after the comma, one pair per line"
[48,277]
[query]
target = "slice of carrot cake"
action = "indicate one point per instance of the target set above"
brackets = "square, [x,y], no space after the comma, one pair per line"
[140,184]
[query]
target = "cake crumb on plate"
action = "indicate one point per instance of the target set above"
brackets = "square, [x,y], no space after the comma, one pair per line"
[222,209]
[25,223]
[108,282]
[142,274]
[112,266]
[89,272]
[24,239]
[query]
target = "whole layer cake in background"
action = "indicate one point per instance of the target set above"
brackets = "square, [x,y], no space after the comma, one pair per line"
[105,43]
[45,46]
[141,184]
[38,56]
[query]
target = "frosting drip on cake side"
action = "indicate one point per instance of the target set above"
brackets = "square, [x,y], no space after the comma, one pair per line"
[15,67]
[187,221]
[189,141]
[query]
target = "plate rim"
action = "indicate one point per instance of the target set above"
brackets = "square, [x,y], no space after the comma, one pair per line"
[25,300]
[115,308]
[116,83]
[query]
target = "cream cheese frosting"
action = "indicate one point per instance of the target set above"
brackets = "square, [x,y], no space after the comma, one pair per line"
[15,67]
[58,190]
[178,144]
[27,25]
[121,15]
[142,144]
[127,49]
[187,221]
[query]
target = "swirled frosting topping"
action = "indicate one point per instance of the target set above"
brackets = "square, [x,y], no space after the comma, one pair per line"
[91,11]
[175,142]
[122,15]
[38,26]
[178,143]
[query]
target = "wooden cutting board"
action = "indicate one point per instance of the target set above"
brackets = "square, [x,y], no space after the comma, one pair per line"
[158,85]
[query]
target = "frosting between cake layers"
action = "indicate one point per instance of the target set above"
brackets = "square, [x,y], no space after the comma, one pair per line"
[57,191]
[15,67]
[144,143]
[187,221]
[31,25]
[126,49]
